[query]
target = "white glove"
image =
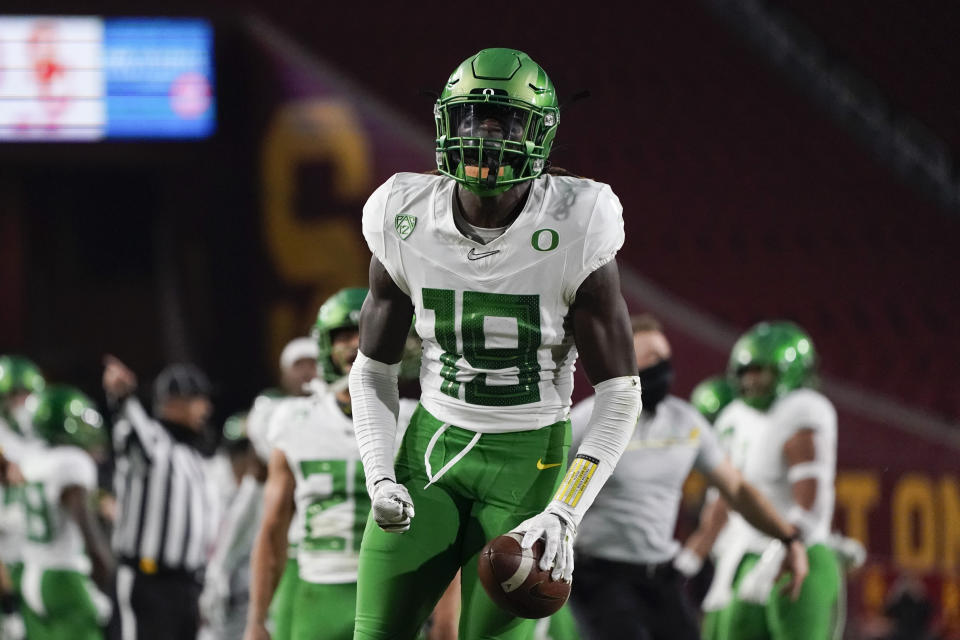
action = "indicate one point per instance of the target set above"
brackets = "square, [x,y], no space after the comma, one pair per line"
[12,627]
[213,599]
[392,506]
[687,563]
[851,553]
[756,586]
[557,529]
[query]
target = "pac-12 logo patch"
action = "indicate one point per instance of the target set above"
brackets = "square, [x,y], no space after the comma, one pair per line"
[405,224]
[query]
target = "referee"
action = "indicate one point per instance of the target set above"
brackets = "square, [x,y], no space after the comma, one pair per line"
[166,512]
[629,572]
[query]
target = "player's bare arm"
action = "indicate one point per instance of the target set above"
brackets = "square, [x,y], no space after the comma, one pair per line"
[75,501]
[744,498]
[386,316]
[713,518]
[602,326]
[757,510]
[270,548]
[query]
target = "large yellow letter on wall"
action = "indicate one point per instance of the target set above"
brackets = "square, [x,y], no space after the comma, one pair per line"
[310,251]
[857,493]
[913,502]
[950,522]
[316,254]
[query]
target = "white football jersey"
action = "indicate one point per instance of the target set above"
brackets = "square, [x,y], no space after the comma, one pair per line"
[331,498]
[734,427]
[14,447]
[498,348]
[757,450]
[53,539]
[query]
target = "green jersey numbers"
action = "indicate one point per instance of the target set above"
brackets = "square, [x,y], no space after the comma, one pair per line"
[500,333]
[330,503]
[39,522]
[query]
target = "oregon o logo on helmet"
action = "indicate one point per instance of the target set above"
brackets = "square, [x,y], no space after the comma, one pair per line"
[537,240]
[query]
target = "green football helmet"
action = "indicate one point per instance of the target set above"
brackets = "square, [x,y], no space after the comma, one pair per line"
[783,347]
[506,86]
[711,396]
[19,374]
[340,311]
[64,415]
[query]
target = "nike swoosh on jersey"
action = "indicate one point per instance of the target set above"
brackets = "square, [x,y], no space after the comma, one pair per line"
[542,466]
[473,255]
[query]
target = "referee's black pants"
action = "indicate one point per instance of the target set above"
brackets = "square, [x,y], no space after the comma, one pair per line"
[156,606]
[631,601]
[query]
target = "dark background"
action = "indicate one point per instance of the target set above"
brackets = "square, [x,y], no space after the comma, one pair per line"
[752,189]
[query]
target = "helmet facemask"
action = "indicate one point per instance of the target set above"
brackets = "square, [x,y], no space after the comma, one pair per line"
[490,144]
[496,119]
[340,311]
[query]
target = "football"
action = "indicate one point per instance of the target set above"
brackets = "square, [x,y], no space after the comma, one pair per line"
[514,581]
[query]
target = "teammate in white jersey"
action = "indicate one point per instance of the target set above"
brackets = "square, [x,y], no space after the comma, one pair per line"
[64,540]
[509,271]
[782,435]
[19,379]
[316,489]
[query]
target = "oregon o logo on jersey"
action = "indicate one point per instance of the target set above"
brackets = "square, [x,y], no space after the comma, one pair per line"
[537,240]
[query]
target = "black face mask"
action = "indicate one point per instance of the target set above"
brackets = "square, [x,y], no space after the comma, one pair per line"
[655,384]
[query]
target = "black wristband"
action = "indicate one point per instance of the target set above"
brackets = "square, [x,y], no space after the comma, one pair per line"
[794,537]
[8,603]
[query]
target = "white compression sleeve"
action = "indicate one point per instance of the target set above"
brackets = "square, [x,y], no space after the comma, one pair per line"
[611,426]
[376,404]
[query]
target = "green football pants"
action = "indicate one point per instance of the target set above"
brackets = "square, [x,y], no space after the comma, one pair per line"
[709,627]
[57,606]
[324,611]
[503,479]
[813,616]
[282,605]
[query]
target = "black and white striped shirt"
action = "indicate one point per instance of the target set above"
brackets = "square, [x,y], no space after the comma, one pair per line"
[166,515]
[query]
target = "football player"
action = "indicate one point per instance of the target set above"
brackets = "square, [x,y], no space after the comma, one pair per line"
[223,602]
[298,370]
[509,271]
[783,437]
[63,537]
[316,481]
[19,378]
[709,397]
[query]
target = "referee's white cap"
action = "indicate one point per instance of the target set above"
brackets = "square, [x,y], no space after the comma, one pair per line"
[298,349]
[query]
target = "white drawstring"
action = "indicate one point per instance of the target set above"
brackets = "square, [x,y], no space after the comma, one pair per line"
[433,441]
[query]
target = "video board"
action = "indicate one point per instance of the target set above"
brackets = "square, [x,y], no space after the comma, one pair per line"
[76,78]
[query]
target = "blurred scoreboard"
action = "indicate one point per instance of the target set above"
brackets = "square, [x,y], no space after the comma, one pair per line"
[91,78]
